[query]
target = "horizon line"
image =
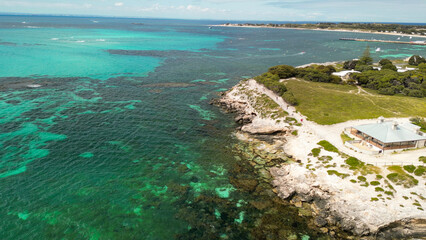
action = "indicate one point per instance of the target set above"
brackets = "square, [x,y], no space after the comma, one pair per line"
[185,19]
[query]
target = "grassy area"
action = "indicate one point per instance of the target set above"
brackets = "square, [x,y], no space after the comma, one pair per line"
[269,108]
[345,137]
[328,146]
[327,103]
[400,177]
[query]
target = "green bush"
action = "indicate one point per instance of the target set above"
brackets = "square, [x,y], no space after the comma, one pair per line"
[334,172]
[421,122]
[384,61]
[422,159]
[328,146]
[294,133]
[354,163]
[390,67]
[375,183]
[316,152]
[402,179]
[378,177]
[379,189]
[350,64]
[389,193]
[419,171]
[283,71]
[410,168]
[271,81]
[362,178]
[416,60]
[290,98]
[374,199]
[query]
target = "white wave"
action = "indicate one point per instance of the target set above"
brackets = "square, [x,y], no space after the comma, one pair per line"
[54,39]
[33,85]
[100,40]
[81,41]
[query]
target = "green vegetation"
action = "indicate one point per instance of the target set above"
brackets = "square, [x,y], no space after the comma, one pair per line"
[419,171]
[374,199]
[283,71]
[375,183]
[410,168]
[422,159]
[389,193]
[272,82]
[345,137]
[389,82]
[376,27]
[419,121]
[360,167]
[353,181]
[362,178]
[334,172]
[331,103]
[268,107]
[415,60]
[379,189]
[400,177]
[294,133]
[316,152]
[378,177]
[328,146]
[354,163]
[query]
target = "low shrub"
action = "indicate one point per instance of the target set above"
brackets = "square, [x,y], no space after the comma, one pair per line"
[362,178]
[328,146]
[375,183]
[419,171]
[316,152]
[379,189]
[402,179]
[410,168]
[334,172]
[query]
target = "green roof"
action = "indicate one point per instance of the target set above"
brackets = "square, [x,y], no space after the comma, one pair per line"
[386,133]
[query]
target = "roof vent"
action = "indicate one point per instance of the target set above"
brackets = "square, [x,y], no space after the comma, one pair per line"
[394,125]
[381,119]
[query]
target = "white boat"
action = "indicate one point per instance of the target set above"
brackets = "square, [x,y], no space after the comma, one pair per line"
[378,49]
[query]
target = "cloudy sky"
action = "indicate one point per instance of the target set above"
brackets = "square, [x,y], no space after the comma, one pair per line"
[279,10]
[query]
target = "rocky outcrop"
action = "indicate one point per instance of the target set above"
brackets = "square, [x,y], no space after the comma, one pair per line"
[331,213]
[249,120]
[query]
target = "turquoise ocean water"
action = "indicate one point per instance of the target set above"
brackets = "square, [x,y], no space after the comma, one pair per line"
[106,131]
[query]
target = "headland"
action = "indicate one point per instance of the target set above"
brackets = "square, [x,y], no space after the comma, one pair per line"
[378,196]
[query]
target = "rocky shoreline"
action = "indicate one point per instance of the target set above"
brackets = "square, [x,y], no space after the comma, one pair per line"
[331,214]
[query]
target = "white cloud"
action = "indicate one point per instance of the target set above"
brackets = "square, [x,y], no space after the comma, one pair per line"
[118,4]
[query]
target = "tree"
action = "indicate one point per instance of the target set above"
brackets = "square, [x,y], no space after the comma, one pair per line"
[350,64]
[283,71]
[389,66]
[366,58]
[416,60]
[385,61]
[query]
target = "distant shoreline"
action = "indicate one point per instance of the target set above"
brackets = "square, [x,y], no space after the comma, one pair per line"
[320,29]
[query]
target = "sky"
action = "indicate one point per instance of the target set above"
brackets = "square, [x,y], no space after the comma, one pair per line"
[413,11]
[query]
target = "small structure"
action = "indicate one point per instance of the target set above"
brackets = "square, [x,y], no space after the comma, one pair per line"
[344,75]
[388,135]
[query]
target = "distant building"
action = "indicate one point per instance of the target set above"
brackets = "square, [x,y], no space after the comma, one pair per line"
[344,75]
[388,135]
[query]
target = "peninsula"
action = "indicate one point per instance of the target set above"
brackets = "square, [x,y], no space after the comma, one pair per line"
[373,195]
[376,28]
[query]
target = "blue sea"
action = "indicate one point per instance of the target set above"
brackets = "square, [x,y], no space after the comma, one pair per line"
[106,131]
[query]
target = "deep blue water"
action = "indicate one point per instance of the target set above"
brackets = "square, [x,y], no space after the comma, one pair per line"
[107,132]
